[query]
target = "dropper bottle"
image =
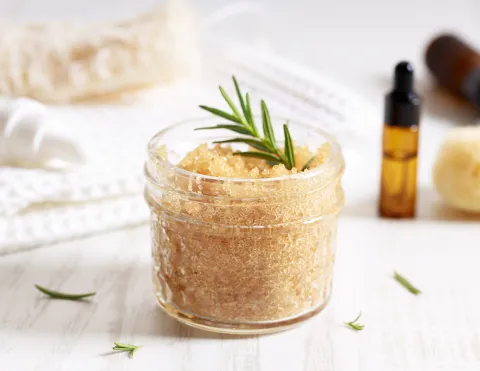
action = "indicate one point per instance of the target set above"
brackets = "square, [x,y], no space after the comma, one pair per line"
[398,189]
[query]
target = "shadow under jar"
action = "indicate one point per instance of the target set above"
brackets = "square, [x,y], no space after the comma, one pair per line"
[237,255]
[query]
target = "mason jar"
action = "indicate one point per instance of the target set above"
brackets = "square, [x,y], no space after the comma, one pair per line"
[238,255]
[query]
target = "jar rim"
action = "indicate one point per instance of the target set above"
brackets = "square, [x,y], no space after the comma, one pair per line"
[335,153]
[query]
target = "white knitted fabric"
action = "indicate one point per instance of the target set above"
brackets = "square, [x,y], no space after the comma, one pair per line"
[41,206]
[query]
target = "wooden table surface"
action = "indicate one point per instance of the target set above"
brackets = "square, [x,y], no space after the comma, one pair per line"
[357,43]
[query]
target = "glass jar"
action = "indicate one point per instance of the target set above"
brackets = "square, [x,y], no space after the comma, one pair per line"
[238,255]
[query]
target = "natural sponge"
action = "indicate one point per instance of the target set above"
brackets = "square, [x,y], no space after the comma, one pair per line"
[456,171]
[78,61]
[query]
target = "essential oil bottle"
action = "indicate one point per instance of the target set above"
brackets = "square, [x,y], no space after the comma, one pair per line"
[456,66]
[398,188]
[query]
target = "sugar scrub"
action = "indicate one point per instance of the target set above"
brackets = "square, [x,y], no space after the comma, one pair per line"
[239,245]
[221,162]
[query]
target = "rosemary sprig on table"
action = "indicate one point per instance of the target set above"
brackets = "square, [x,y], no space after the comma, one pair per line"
[62,295]
[244,123]
[126,348]
[406,283]
[354,325]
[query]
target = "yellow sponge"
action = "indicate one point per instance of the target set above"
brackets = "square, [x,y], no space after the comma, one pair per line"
[456,172]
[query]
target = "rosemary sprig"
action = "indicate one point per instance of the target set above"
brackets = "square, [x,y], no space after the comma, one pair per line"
[309,162]
[354,325]
[126,348]
[406,283]
[242,122]
[62,295]
[289,150]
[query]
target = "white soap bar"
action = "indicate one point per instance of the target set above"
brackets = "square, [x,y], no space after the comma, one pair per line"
[27,139]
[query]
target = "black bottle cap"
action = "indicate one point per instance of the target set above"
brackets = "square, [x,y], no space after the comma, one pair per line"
[403,77]
[402,104]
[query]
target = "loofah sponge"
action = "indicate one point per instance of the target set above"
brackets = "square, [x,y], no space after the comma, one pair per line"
[456,171]
[66,62]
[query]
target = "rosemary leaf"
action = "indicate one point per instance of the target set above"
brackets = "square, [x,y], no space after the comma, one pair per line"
[406,283]
[267,126]
[240,97]
[267,145]
[262,155]
[309,162]
[251,142]
[249,115]
[235,128]
[230,103]
[289,150]
[126,348]
[354,325]
[62,295]
[222,114]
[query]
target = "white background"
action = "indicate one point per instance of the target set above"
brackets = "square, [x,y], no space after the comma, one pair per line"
[357,43]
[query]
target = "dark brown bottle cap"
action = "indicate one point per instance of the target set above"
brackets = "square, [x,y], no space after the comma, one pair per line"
[451,60]
[456,66]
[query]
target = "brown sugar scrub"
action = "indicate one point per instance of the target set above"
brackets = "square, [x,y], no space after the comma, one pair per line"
[242,244]
[221,162]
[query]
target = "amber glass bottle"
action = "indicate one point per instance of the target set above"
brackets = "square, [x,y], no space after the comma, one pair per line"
[398,189]
[456,66]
